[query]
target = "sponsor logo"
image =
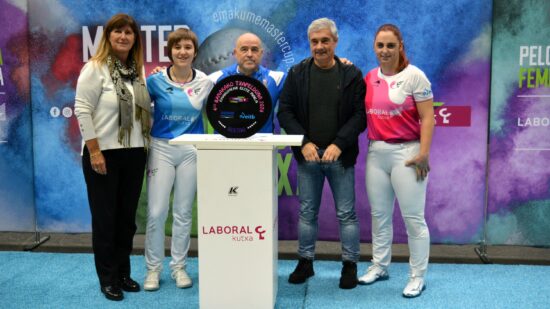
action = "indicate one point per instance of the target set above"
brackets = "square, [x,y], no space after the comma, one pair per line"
[385,114]
[236,232]
[239,99]
[178,118]
[152,172]
[233,191]
[227,114]
[533,121]
[190,92]
[395,85]
[247,116]
[169,90]
[427,92]
[260,232]
[453,116]
[236,130]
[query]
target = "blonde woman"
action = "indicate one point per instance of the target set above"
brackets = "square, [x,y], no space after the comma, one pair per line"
[113,110]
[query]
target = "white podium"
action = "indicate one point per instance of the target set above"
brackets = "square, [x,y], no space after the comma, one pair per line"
[237,218]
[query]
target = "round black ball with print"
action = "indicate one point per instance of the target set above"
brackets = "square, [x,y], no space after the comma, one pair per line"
[238,106]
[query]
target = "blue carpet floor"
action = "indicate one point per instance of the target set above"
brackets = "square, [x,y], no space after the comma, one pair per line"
[48,280]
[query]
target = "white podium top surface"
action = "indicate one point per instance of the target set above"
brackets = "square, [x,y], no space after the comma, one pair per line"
[218,141]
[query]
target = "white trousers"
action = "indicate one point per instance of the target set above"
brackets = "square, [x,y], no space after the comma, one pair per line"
[387,177]
[169,166]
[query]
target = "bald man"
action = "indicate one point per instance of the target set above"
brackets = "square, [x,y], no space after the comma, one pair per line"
[249,52]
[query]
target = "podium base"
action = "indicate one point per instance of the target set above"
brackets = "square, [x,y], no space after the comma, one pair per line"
[37,242]
[481,252]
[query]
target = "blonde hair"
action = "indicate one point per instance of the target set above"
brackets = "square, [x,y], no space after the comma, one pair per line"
[105,49]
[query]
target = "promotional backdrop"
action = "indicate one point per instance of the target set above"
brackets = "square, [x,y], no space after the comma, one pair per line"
[449,41]
[519,151]
[16,160]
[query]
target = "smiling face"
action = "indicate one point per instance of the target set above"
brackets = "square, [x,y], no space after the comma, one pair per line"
[122,40]
[387,48]
[322,45]
[248,52]
[183,53]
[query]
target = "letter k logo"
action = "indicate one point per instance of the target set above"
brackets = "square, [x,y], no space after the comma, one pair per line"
[233,190]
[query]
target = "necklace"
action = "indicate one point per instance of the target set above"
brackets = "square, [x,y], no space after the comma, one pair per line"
[184,80]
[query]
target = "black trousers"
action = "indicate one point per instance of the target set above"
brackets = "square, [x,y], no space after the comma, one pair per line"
[113,200]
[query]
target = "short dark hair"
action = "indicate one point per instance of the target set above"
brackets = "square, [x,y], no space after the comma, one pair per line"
[182,34]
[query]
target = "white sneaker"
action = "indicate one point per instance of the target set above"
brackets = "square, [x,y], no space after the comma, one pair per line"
[414,287]
[151,281]
[182,278]
[374,273]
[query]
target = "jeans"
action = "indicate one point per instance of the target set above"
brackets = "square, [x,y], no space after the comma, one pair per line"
[387,178]
[311,177]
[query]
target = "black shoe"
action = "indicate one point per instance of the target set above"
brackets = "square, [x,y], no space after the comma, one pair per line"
[128,284]
[303,270]
[348,280]
[112,292]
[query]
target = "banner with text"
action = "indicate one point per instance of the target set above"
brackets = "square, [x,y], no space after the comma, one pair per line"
[519,150]
[458,68]
[16,161]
